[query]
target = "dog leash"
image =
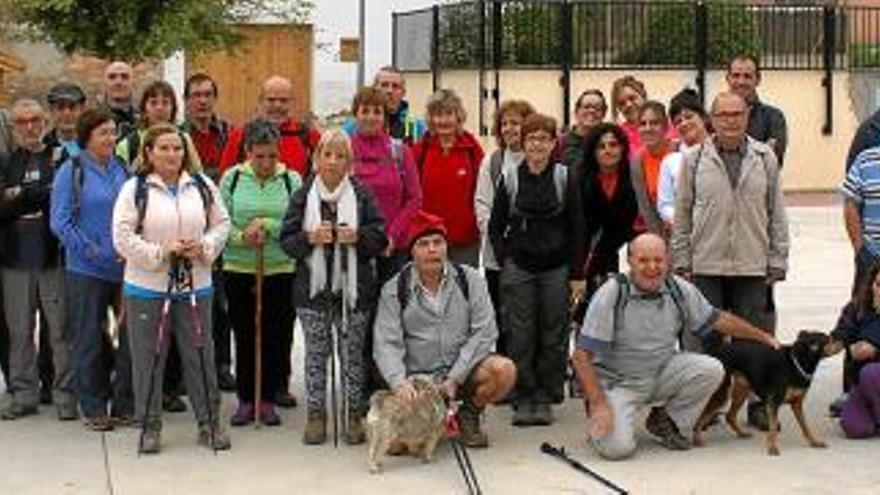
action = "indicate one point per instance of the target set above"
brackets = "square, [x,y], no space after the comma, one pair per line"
[560,454]
[453,433]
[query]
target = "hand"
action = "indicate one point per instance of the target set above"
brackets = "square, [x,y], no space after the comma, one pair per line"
[775,275]
[323,235]
[771,341]
[406,392]
[449,388]
[862,351]
[685,273]
[347,235]
[578,289]
[600,420]
[175,247]
[254,235]
[192,250]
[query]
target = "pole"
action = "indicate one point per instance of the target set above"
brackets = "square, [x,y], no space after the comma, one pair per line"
[362,42]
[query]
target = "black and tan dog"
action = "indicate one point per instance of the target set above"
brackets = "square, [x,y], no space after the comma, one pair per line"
[778,377]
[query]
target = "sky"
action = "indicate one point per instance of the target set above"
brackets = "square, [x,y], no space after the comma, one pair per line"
[334,81]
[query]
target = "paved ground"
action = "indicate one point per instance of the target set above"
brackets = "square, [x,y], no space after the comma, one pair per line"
[41,456]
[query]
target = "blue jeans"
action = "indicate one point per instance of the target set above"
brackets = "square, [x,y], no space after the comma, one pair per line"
[101,377]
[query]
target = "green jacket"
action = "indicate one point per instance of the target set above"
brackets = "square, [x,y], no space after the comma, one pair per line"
[252,199]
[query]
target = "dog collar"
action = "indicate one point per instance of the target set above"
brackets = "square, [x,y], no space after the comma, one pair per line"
[804,374]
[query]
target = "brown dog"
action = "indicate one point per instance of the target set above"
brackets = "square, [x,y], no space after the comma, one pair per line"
[417,427]
[777,376]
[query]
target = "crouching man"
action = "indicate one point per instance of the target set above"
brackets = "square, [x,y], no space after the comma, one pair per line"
[628,355]
[435,318]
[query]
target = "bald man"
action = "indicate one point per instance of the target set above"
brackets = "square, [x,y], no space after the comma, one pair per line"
[628,355]
[119,96]
[298,139]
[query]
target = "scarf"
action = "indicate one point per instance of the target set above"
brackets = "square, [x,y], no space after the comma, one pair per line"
[346,213]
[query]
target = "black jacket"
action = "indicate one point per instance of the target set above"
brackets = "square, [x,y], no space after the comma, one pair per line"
[32,197]
[768,122]
[371,242]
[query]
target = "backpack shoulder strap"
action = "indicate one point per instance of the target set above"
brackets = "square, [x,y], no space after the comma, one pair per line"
[287,185]
[680,304]
[77,179]
[623,290]
[496,162]
[397,157]
[206,195]
[236,174]
[403,278]
[461,280]
[141,195]
[694,170]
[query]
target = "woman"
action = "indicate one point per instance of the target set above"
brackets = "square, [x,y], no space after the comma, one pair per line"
[507,129]
[83,193]
[653,126]
[535,231]
[859,329]
[448,158]
[589,111]
[158,105]
[387,169]
[256,194]
[169,226]
[627,96]
[691,121]
[609,205]
[334,231]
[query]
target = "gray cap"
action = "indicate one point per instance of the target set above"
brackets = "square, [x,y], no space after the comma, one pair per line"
[65,92]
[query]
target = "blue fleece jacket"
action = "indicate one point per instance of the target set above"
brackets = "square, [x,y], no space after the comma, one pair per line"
[86,236]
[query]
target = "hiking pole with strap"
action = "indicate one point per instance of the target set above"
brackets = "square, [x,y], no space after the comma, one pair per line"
[160,344]
[560,454]
[198,338]
[453,434]
[341,337]
[258,332]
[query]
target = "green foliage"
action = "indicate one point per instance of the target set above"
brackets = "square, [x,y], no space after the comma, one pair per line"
[134,30]
[864,55]
[531,34]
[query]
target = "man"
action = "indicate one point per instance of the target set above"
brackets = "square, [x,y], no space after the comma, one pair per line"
[31,270]
[867,136]
[766,122]
[209,134]
[119,96]
[6,140]
[66,103]
[438,320]
[298,139]
[627,355]
[730,234]
[401,125]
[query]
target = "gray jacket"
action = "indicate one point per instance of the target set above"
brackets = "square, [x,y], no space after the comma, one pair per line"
[448,343]
[719,230]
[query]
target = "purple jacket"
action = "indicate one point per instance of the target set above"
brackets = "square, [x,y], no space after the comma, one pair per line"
[395,184]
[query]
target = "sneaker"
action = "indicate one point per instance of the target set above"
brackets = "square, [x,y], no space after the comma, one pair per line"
[98,423]
[268,415]
[757,416]
[315,432]
[150,442]
[173,403]
[213,438]
[472,435]
[355,434]
[836,406]
[542,414]
[665,430]
[14,411]
[523,414]
[123,420]
[285,400]
[244,415]
[226,381]
[67,412]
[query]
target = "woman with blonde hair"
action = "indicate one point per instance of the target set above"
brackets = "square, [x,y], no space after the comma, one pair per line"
[334,231]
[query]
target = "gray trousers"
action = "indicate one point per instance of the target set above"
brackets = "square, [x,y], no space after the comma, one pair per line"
[26,290]
[535,313]
[143,324]
[683,387]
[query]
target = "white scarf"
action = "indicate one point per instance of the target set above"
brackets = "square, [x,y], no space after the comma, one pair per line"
[346,213]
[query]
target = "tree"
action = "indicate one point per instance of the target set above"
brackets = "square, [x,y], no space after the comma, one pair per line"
[134,30]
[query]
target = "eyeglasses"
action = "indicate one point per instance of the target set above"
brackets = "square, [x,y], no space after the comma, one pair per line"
[728,115]
[539,138]
[31,122]
[594,107]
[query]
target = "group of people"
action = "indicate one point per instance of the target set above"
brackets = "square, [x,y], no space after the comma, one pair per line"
[400,246]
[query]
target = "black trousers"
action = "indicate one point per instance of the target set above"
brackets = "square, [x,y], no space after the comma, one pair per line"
[493,283]
[221,328]
[276,333]
[745,297]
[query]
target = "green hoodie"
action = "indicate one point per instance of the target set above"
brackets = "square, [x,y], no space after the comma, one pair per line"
[254,199]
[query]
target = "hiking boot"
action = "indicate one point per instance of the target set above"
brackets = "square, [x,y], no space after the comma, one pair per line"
[151,443]
[123,420]
[316,429]
[226,381]
[244,415]
[836,406]
[98,423]
[471,434]
[14,411]
[285,400]
[542,414]
[67,412]
[173,403]
[216,439]
[355,434]
[665,430]
[268,415]
[757,416]
[523,414]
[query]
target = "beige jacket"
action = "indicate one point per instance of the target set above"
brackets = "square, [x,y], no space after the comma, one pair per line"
[719,230]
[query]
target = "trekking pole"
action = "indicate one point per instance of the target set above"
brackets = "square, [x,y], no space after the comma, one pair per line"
[334,410]
[560,454]
[198,338]
[160,344]
[453,434]
[342,340]
[258,332]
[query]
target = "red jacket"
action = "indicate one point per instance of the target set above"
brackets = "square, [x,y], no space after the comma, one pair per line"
[449,182]
[290,148]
